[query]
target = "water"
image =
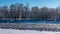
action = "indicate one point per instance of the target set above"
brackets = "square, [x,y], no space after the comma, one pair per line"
[29,21]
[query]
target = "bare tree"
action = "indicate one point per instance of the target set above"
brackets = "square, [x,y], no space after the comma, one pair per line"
[12,11]
[4,11]
[44,13]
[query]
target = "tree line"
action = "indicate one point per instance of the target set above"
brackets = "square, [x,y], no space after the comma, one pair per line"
[20,11]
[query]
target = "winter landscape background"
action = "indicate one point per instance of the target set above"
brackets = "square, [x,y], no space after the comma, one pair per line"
[30,16]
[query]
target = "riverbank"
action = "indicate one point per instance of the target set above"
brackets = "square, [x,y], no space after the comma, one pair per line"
[27,26]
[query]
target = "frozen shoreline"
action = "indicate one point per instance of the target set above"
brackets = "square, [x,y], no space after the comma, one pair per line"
[13,31]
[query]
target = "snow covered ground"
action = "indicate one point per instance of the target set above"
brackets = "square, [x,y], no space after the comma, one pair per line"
[12,31]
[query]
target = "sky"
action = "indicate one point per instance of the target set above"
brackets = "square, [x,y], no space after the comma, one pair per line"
[39,3]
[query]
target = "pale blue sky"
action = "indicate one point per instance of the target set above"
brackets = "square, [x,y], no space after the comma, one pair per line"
[39,3]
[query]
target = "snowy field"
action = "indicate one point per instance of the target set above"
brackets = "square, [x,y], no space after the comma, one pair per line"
[12,31]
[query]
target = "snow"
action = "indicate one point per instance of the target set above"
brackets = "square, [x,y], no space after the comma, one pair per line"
[13,31]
